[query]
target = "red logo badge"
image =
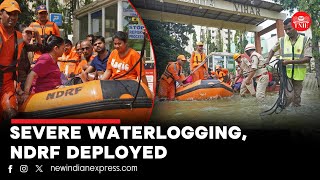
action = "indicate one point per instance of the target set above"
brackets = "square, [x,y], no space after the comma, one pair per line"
[301,21]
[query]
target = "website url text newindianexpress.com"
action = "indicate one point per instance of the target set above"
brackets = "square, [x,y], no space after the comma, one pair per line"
[83,168]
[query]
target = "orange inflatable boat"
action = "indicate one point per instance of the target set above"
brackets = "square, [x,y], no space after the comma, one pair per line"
[93,99]
[204,90]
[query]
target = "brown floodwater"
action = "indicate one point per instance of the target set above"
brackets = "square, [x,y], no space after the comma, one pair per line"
[244,112]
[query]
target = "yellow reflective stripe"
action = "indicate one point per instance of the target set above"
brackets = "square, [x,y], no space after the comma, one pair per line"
[20,40]
[297,66]
[290,55]
[36,26]
[39,26]
[166,72]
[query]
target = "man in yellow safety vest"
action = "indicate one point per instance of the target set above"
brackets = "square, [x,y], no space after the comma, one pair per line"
[295,50]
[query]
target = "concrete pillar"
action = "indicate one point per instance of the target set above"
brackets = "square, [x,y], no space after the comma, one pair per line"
[257,41]
[120,16]
[76,30]
[103,30]
[89,24]
[280,28]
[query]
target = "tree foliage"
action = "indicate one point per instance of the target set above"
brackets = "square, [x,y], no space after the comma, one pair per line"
[229,42]
[194,38]
[168,40]
[240,41]
[203,33]
[219,41]
[26,16]
[211,47]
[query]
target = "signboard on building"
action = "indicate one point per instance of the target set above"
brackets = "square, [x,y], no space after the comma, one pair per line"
[129,12]
[135,31]
[243,8]
[56,18]
[209,3]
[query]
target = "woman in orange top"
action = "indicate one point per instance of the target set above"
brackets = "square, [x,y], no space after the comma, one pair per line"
[122,59]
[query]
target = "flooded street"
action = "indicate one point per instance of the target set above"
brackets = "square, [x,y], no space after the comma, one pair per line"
[244,112]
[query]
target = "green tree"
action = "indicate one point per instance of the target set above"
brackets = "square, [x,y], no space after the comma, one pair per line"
[70,7]
[210,44]
[26,13]
[240,41]
[203,33]
[219,41]
[229,42]
[312,7]
[194,38]
[168,40]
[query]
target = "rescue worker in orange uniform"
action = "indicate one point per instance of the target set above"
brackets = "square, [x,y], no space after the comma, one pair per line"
[44,26]
[171,75]
[197,57]
[220,73]
[67,62]
[11,44]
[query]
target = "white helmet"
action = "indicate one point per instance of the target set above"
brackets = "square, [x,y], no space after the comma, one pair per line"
[249,46]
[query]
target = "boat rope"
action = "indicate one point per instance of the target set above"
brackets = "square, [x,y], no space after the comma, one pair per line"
[285,85]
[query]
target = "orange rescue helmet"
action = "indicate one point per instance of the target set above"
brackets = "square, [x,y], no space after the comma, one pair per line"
[181,57]
[249,47]
[10,6]
[236,56]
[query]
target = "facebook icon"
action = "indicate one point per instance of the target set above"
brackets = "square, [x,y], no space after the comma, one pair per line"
[10,168]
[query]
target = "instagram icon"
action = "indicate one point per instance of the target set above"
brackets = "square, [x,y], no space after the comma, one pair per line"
[23,168]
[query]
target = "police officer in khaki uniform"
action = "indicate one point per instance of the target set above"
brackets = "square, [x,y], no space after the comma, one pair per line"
[245,66]
[296,51]
[258,71]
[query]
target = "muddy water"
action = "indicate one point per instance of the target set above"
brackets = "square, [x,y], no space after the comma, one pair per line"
[244,112]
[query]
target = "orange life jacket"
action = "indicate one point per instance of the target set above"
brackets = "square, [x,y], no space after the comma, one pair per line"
[167,75]
[47,29]
[198,58]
